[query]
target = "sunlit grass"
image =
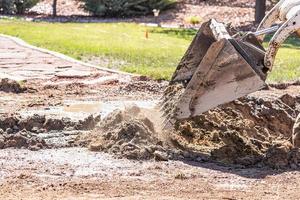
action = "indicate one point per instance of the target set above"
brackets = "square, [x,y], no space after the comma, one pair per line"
[156,56]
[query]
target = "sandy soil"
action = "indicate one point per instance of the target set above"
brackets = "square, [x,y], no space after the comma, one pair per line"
[76,173]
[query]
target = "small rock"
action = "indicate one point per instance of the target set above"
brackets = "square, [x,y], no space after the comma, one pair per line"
[160,156]
[9,131]
[16,128]
[199,159]
[34,148]
[35,129]
[8,85]
[53,124]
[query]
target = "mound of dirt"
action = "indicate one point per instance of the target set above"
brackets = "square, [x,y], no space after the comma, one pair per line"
[40,123]
[250,131]
[127,134]
[22,139]
[7,85]
[19,132]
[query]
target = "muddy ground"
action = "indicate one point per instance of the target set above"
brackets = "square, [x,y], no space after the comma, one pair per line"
[89,141]
[72,131]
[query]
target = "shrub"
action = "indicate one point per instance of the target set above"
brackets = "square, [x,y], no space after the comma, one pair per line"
[16,6]
[7,6]
[193,20]
[23,5]
[125,8]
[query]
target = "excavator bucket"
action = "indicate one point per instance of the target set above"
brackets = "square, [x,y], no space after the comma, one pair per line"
[216,69]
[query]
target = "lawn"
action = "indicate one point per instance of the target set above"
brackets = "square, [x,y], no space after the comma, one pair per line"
[156,56]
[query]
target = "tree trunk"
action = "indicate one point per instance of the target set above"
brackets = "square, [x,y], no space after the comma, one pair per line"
[54,7]
[260,10]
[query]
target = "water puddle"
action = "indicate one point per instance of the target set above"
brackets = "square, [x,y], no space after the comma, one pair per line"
[81,109]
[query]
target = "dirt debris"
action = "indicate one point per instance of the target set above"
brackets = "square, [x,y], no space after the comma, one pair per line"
[23,132]
[8,85]
[41,123]
[251,131]
[144,84]
[22,139]
[296,133]
[127,134]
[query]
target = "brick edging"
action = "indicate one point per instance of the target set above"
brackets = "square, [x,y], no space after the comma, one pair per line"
[60,55]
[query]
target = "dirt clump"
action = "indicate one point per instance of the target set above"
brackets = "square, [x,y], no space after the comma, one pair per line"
[237,150]
[127,134]
[277,156]
[25,132]
[32,122]
[41,123]
[22,139]
[143,84]
[8,85]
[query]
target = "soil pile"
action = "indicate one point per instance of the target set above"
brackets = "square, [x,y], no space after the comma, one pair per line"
[40,123]
[250,131]
[22,139]
[19,132]
[130,134]
[7,85]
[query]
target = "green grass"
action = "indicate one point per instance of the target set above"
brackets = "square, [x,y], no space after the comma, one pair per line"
[156,56]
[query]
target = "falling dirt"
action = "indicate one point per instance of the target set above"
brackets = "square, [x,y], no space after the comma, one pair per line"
[133,133]
[296,133]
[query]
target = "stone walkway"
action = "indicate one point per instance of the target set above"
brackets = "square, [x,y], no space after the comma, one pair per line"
[20,61]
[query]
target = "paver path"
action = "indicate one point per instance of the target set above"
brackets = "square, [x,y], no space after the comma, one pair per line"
[20,61]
